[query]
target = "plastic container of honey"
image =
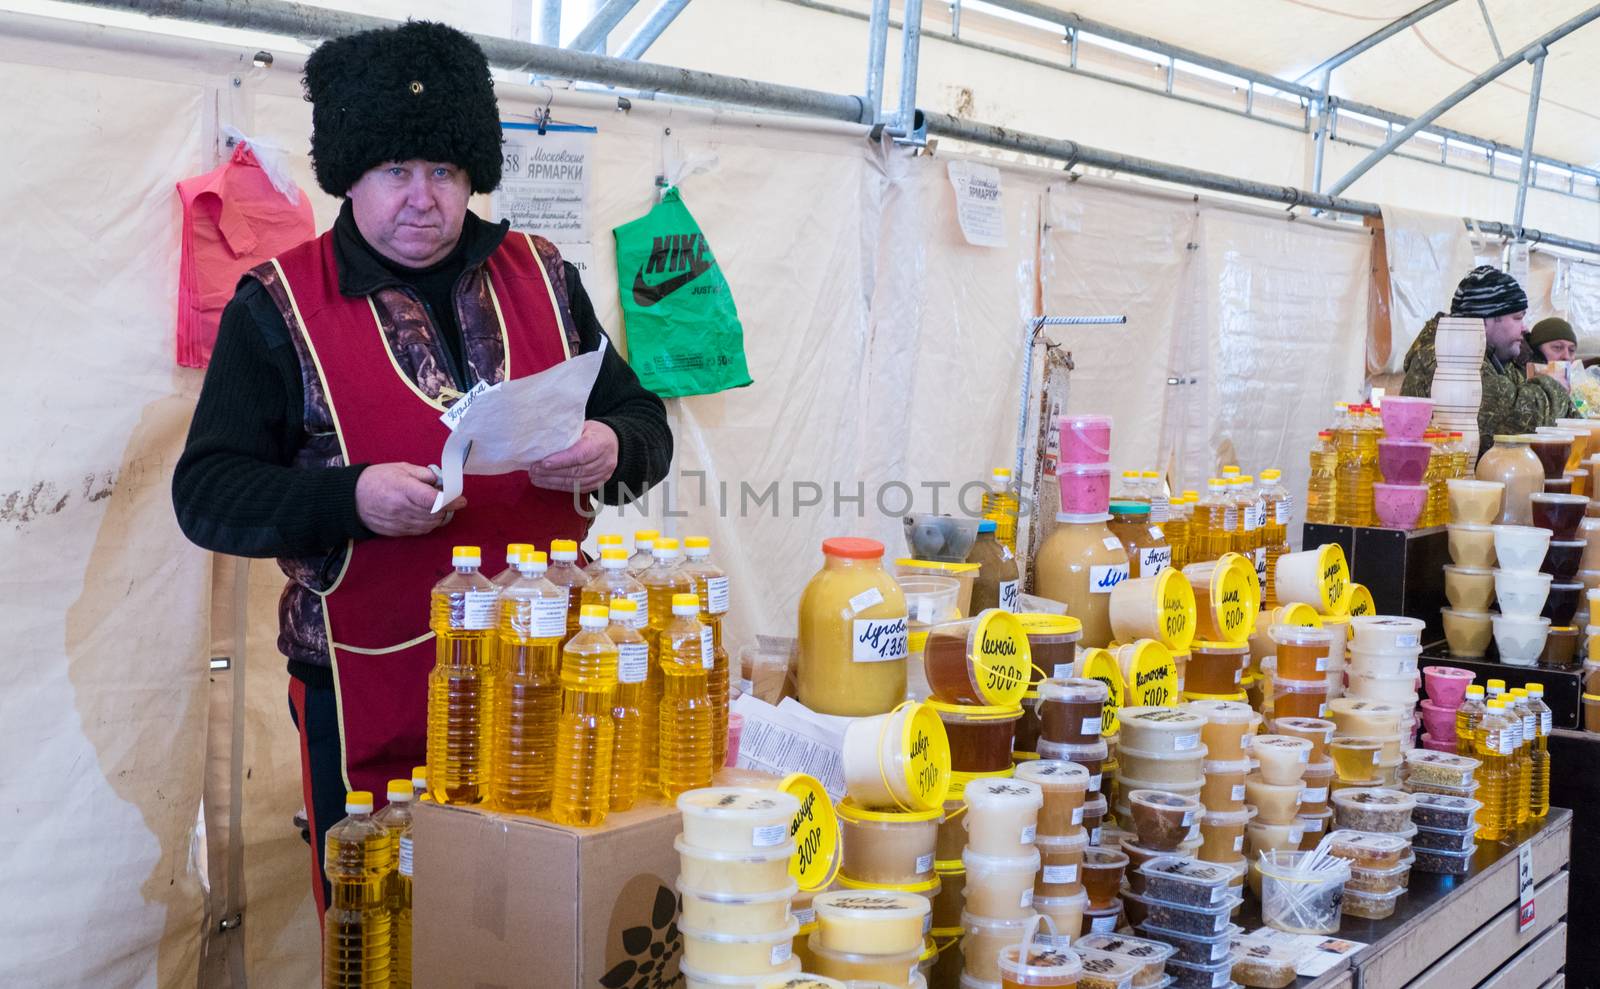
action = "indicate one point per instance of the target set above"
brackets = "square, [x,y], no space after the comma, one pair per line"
[733,872]
[1103,869]
[1264,836]
[981,737]
[1315,783]
[902,760]
[853,639]
[735,913]
[1160,730]
[703,980]
[1000,887]
[1215,667]
[1162,767]
[1064,786]
[1227,599]
[736,819]
[1002,816]
[718,953]
[1053,641]
[1299,699]
[1161,819]
[1222,835]
[1223,789]
[849,966]
[1356,716]
[1061,865]
[1275,803]
[952,898]
[1070,710]
[1035,964]
[986,660]
[1091,757]
[1302,652]
[1355,757]
[1317,731]
[984,939]
[871,922]
[1313,827]
[1282,758]
[1228,725]
[1159,607]
[893,847]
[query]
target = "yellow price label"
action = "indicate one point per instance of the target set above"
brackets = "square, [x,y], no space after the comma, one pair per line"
[815,830]
[1234,600]
[1358,601]
[1098,664]
[927,749]
[1298,614]
[1002,659]
[1333,573]
[1153,678]
[1178,611]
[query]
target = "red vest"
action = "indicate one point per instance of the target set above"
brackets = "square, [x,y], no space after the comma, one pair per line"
[376,611]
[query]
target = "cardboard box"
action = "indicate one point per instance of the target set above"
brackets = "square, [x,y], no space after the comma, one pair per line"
[505,902]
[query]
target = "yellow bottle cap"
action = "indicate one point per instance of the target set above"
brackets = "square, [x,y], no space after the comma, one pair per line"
[593,611]
[466,556]
[666,545]
[697,542]
[563,546]
[1217,484]
[358,802]
[530,555]
[1497,684]
[614,554]
[686,601]
[1190,494]
[419,776]
[1130,475]
[1229,470]
[1271,474]
[645,535]
[623,607]
[515,550]
[1518,692]
[1245,479]
[1149,474]
[1535,689]
[1474,691]
[1001,472]
[608,539]
[398,790]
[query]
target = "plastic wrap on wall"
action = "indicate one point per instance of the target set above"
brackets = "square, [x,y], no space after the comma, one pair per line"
[104,712]
[1428,254]
[1569,288]
[1274,331]
[1114,252]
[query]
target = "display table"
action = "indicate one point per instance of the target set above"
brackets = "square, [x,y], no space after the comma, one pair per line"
[1457,932]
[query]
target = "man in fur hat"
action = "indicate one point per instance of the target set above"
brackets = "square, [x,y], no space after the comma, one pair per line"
[333,364]
[1511,403]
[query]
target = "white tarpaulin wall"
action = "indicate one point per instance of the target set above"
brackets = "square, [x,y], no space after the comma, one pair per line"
[884,349]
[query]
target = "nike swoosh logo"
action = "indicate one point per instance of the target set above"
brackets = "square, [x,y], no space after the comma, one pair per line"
[649,295]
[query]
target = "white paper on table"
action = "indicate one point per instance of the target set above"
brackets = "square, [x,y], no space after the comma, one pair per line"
[790,739]
[1319,952]
[519,422]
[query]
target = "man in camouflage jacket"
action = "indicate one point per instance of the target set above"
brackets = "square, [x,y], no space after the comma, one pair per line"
[1511,402]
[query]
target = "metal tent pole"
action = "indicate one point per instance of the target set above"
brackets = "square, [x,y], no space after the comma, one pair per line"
[1527,139]
[659,20]
[910,51]
[877,57]
[1378,37]
[550,22]
[1472,86]
[594,34]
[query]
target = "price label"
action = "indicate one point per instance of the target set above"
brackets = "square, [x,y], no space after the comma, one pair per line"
[1002,659]
[1525,912]
[1060,875]
[1154,559]
[717,595]
[868,598]
[880,640]
[1010,595]
[1333,575]
[1105,576]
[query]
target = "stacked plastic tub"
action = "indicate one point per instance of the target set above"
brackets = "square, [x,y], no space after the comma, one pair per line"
[1403,456]
[1445,787]
[1375,824]
[1187,905]
[1469,577]
[1382,666]
[1521,589]
[1320,579]
[1229,729]
[1002,869]
[1062,841]
[1369,742]
[1446,687]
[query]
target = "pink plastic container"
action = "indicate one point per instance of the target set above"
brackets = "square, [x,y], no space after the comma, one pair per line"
[1446,685]
[1405,418]
[1403,461]
[1398,505]
[735,732]
[1438,721]
[1085,488]
[1085,439]
[1445,744]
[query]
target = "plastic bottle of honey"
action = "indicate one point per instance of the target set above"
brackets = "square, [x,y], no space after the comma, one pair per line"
[644,544]
[686,724]
[1211,528]
[1002,505]
[533,622]
[616,582]
[1540,805]
[396,819]
[504,578]
[1277,513]
[603,542]
[1322,491]
[710,585]
[1467,717]
[565,573]
[585,734]
[1527,732]
[1493,745]
[1160,504]
[854,639]
[628,707]
[997,582]
[358,858]
[461,686]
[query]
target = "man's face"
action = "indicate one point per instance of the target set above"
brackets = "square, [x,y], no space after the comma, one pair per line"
[411,211]
[1558,350]
[1504,334]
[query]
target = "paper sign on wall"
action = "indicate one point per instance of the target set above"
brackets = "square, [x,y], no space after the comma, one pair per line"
[544,186]
[979,206]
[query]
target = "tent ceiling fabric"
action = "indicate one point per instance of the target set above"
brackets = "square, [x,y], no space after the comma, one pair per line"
[1407,73]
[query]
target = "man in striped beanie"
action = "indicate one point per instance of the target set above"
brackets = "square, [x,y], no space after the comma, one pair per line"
[1511,402]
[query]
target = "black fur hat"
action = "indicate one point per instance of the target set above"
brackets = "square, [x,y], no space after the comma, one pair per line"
[420,90]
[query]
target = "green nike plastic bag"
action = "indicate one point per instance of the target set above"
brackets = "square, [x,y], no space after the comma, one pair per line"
[684,336]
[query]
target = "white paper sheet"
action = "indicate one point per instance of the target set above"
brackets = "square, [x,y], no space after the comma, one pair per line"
[790,739]
[518,422]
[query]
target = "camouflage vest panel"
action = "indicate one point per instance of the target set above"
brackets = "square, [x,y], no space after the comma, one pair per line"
[418,351]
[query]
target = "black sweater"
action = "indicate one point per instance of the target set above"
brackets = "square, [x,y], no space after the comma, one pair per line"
[235,489]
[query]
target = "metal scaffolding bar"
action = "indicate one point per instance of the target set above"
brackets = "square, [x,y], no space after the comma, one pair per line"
[659,20]
[1378,37]
[1527,139]
[877,57]
[550,22]
[910,50]
[593,35]
[1324,125]
[300,21]
[1472,86]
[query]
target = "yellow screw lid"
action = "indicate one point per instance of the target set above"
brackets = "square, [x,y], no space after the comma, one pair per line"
[614,554]
[594,611]
[623,606]
[400,790]
[645,535]
[1149,474]
[514,550]
[697,542]
[1004,472]
[419,775]
[1271,474]
[1245,479]
[691,601]
[1229,470]
[563,546]
[1497,685]
[358,802]
[465,556]
[1535,689]
[533,556]
[608,539]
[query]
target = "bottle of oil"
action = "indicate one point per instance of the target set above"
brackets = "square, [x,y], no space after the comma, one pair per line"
[585,735]
[1358,452]
[1211,527]
[396,819]
[686,725]
[1132,488]
[603,542]
[565,573]
[505,577]
[533,622]
[1177,530]
[1252,520]
[644,543]
[1496,689]
[1438,471]
[419,782]
[1322,490]
[1493,746]
[616,581]
[1229,472]
[461,687]
[1002,504]
[1369,432]
[1277,513]
[710,585]
[1467,717]
[359,855]
[1540,805]
[1459,455]
[1527,732]
[1160,503]
[665,578]
[628,707]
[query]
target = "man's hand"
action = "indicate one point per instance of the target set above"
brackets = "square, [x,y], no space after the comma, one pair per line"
[394,500]
[585,465]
